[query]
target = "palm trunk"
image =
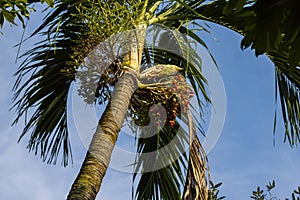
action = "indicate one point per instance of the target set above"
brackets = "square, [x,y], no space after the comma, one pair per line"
[88,181]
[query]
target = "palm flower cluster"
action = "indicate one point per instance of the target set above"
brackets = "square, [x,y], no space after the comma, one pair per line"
[98,79]
[162,101]
[107,80]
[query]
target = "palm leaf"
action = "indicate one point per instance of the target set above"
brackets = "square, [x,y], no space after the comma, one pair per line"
[48,70]
[196,185]
[70,32]
[287,86]
[163,182]
[279,40]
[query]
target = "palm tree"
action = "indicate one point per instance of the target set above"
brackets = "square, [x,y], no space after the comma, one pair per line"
[75,28]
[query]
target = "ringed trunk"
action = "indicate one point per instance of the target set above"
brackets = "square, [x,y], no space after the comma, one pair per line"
[88,182]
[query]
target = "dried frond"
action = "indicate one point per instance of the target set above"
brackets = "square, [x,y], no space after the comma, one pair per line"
[196,185]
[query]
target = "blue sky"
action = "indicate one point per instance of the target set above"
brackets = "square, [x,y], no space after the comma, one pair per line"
[243,158]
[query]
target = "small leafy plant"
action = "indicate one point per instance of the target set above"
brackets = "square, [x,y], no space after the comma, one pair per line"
[213,193]
[259,194]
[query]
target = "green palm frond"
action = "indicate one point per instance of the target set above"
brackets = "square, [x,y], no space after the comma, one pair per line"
[289,99]
[166,181]
[72,30]
[46,90]
[287,91]
[268,27]
[279,40]
[48,70]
